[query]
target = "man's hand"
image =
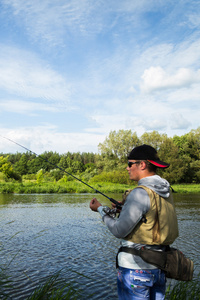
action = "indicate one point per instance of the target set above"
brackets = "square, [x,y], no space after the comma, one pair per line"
[94,204]
[114,206]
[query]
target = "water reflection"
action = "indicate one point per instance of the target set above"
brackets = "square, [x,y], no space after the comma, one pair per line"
[48,233]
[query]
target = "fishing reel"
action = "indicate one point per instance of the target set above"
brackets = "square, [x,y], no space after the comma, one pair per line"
[110,211]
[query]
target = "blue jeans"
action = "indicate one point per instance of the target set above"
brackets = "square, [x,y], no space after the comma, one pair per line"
[141,284]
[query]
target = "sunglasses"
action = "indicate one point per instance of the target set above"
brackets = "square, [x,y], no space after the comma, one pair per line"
[130,163]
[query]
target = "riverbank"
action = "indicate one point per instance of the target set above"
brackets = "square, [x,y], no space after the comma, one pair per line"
[78,187]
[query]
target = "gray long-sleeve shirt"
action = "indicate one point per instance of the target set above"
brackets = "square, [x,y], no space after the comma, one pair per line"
[136,205]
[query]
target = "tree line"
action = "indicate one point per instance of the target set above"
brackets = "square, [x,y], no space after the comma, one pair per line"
[109,165]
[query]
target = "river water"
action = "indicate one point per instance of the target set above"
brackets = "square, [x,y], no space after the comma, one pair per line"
[44,234]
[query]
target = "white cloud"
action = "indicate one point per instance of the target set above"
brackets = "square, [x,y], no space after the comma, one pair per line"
[109,59]
[23,74]
[156,78]
[194,19]
[179,122]
[156,124]
[183,54]
[47,138]
[24,107]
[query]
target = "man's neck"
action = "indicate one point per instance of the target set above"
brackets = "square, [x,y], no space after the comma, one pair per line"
[146,174]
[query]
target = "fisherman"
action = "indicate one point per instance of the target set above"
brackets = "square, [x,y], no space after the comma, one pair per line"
[147,219]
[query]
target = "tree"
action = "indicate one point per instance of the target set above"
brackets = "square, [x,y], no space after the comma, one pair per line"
[66,161]
[7,169]
[154,139]
[21,166]
[189,153]
[169,152]
[50,159]
[88,158]
[5,166]
[189,144]
[35,164]
[119,144]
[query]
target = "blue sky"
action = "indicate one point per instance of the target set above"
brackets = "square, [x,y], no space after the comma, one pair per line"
[72,71]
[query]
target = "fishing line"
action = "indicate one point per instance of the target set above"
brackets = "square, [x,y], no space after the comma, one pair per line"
[118,204]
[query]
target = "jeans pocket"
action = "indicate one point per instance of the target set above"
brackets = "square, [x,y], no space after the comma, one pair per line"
[141,278]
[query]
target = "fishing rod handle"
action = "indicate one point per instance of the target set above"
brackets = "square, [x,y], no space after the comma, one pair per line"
[118,204]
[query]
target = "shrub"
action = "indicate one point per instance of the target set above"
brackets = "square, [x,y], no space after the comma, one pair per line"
[7,188]
[113,177]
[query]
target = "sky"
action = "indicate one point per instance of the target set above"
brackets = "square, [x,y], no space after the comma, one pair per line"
[72,71]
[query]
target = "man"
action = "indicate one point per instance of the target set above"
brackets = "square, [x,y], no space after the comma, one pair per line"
[147,218]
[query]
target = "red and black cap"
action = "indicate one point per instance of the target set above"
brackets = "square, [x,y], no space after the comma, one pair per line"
[146,152]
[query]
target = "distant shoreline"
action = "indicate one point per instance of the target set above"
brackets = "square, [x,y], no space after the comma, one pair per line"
[77,187]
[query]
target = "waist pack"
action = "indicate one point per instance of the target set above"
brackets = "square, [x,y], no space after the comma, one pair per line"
[172,261]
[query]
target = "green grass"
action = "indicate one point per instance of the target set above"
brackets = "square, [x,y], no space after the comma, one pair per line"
[184,290]
[78,187]
[186,188]
[54,289]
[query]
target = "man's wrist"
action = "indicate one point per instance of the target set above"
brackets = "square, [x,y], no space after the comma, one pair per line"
[100,209]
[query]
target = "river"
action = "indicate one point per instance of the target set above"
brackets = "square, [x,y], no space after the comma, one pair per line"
[44,234]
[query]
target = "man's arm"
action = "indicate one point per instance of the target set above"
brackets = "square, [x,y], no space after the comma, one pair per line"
[136,205]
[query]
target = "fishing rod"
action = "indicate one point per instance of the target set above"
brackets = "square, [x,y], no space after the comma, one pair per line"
[118,204]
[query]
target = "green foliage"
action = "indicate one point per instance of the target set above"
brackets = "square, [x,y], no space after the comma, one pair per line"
[183,154]
[7,188]
[7,169]
[55,289]
[175,172]
[35,164]
[184,290]
[88,174]
[40,176]
[113,177]
[187,188]
[189,153]
[29,177]
[21,165]
[57,174]
[154,139]
[119,144]
[3,177]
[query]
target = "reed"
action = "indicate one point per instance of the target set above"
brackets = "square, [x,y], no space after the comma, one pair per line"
[55,289]
[184,290]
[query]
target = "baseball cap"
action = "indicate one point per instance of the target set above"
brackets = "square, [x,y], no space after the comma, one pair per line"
[146,152]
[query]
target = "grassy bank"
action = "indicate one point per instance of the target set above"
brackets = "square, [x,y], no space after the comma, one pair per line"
[187,188]
[78,187]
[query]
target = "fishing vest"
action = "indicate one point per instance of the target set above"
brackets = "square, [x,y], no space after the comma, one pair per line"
[160,226]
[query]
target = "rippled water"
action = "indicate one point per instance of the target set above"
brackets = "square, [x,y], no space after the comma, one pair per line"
[43,234]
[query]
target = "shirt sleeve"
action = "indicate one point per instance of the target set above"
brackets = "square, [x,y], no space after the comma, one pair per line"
[136,205]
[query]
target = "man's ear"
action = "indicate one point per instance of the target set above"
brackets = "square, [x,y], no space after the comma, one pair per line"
[143,165]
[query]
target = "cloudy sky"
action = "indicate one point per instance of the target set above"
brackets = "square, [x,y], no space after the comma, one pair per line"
[71,71]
